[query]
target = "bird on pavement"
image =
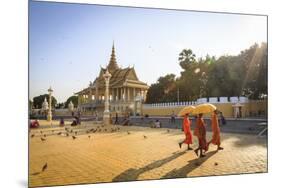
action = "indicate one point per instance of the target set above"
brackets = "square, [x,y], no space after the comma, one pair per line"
[128,132]
[59,133]
[89,136]
[32,135]
[43,139]
[144,136]
[44,135]
[168,130]
[44,167]
[74,137]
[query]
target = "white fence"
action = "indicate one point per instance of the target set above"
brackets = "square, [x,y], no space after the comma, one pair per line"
[219,100]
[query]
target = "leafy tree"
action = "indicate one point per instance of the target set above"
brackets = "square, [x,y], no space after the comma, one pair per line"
[244,74]
[38,101]
[74,100]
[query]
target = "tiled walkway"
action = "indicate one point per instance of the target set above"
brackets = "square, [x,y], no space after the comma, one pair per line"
[134,153]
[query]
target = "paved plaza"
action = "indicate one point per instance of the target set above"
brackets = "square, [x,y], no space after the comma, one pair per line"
[134,153]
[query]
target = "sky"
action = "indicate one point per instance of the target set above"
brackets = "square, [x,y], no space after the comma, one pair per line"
[68,43]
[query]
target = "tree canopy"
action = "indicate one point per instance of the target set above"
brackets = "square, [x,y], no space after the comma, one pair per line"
[242,75]
[38,101]
[74,100]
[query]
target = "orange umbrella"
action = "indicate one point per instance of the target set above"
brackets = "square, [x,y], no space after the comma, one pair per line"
[204,108]
[186,110]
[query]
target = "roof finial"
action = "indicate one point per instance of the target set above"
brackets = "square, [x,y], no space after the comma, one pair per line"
[112,65]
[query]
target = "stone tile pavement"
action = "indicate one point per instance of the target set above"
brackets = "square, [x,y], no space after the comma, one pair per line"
[134,153]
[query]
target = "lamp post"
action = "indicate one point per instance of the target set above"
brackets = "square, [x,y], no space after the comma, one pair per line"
[49,116]
[106,113]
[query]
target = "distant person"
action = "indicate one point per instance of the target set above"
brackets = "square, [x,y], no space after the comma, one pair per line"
[72,114]
[157,124]
[200,132]
[34,124]
[186,128]
[216,131]
[116,119]
[173,119]
[222,119]
[61,121]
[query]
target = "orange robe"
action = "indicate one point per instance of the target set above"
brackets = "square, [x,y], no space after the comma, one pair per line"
[216,130]
[200,132]
[186,128]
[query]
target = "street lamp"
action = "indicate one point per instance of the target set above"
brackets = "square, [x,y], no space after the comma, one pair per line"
[49,116]
[106,113]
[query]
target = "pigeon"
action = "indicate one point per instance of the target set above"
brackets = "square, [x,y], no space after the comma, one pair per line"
[44,135]
[44,167]
[168,130]
[32,135]
[59,133]
[128,132]
[74,137]
[42,139]
[89,136]
[216,164]
[144,136]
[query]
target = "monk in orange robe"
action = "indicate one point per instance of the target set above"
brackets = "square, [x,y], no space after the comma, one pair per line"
[186,128]
[200,132]
[216,131]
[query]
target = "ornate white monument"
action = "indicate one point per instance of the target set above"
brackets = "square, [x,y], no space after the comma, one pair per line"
[106,113]
[49,116]
[45,105]
[70,106]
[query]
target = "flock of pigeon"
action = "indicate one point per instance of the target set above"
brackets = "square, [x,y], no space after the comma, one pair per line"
[67,132]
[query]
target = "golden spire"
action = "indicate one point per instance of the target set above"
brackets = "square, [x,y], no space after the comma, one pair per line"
[112,63]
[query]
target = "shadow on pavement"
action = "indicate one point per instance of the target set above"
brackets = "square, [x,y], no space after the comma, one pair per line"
[192,165]
[132,174]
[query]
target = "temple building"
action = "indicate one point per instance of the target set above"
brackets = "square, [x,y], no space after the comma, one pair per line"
[124,89]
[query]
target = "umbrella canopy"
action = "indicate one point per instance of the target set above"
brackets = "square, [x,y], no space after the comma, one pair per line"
[186,110]
[204,108]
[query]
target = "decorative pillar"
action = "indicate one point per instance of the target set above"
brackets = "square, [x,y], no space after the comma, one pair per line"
[125,94]
[106,113]
[49,116]
[128,94]
[90,96]
[122,91]
[134,93]
[97,93]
